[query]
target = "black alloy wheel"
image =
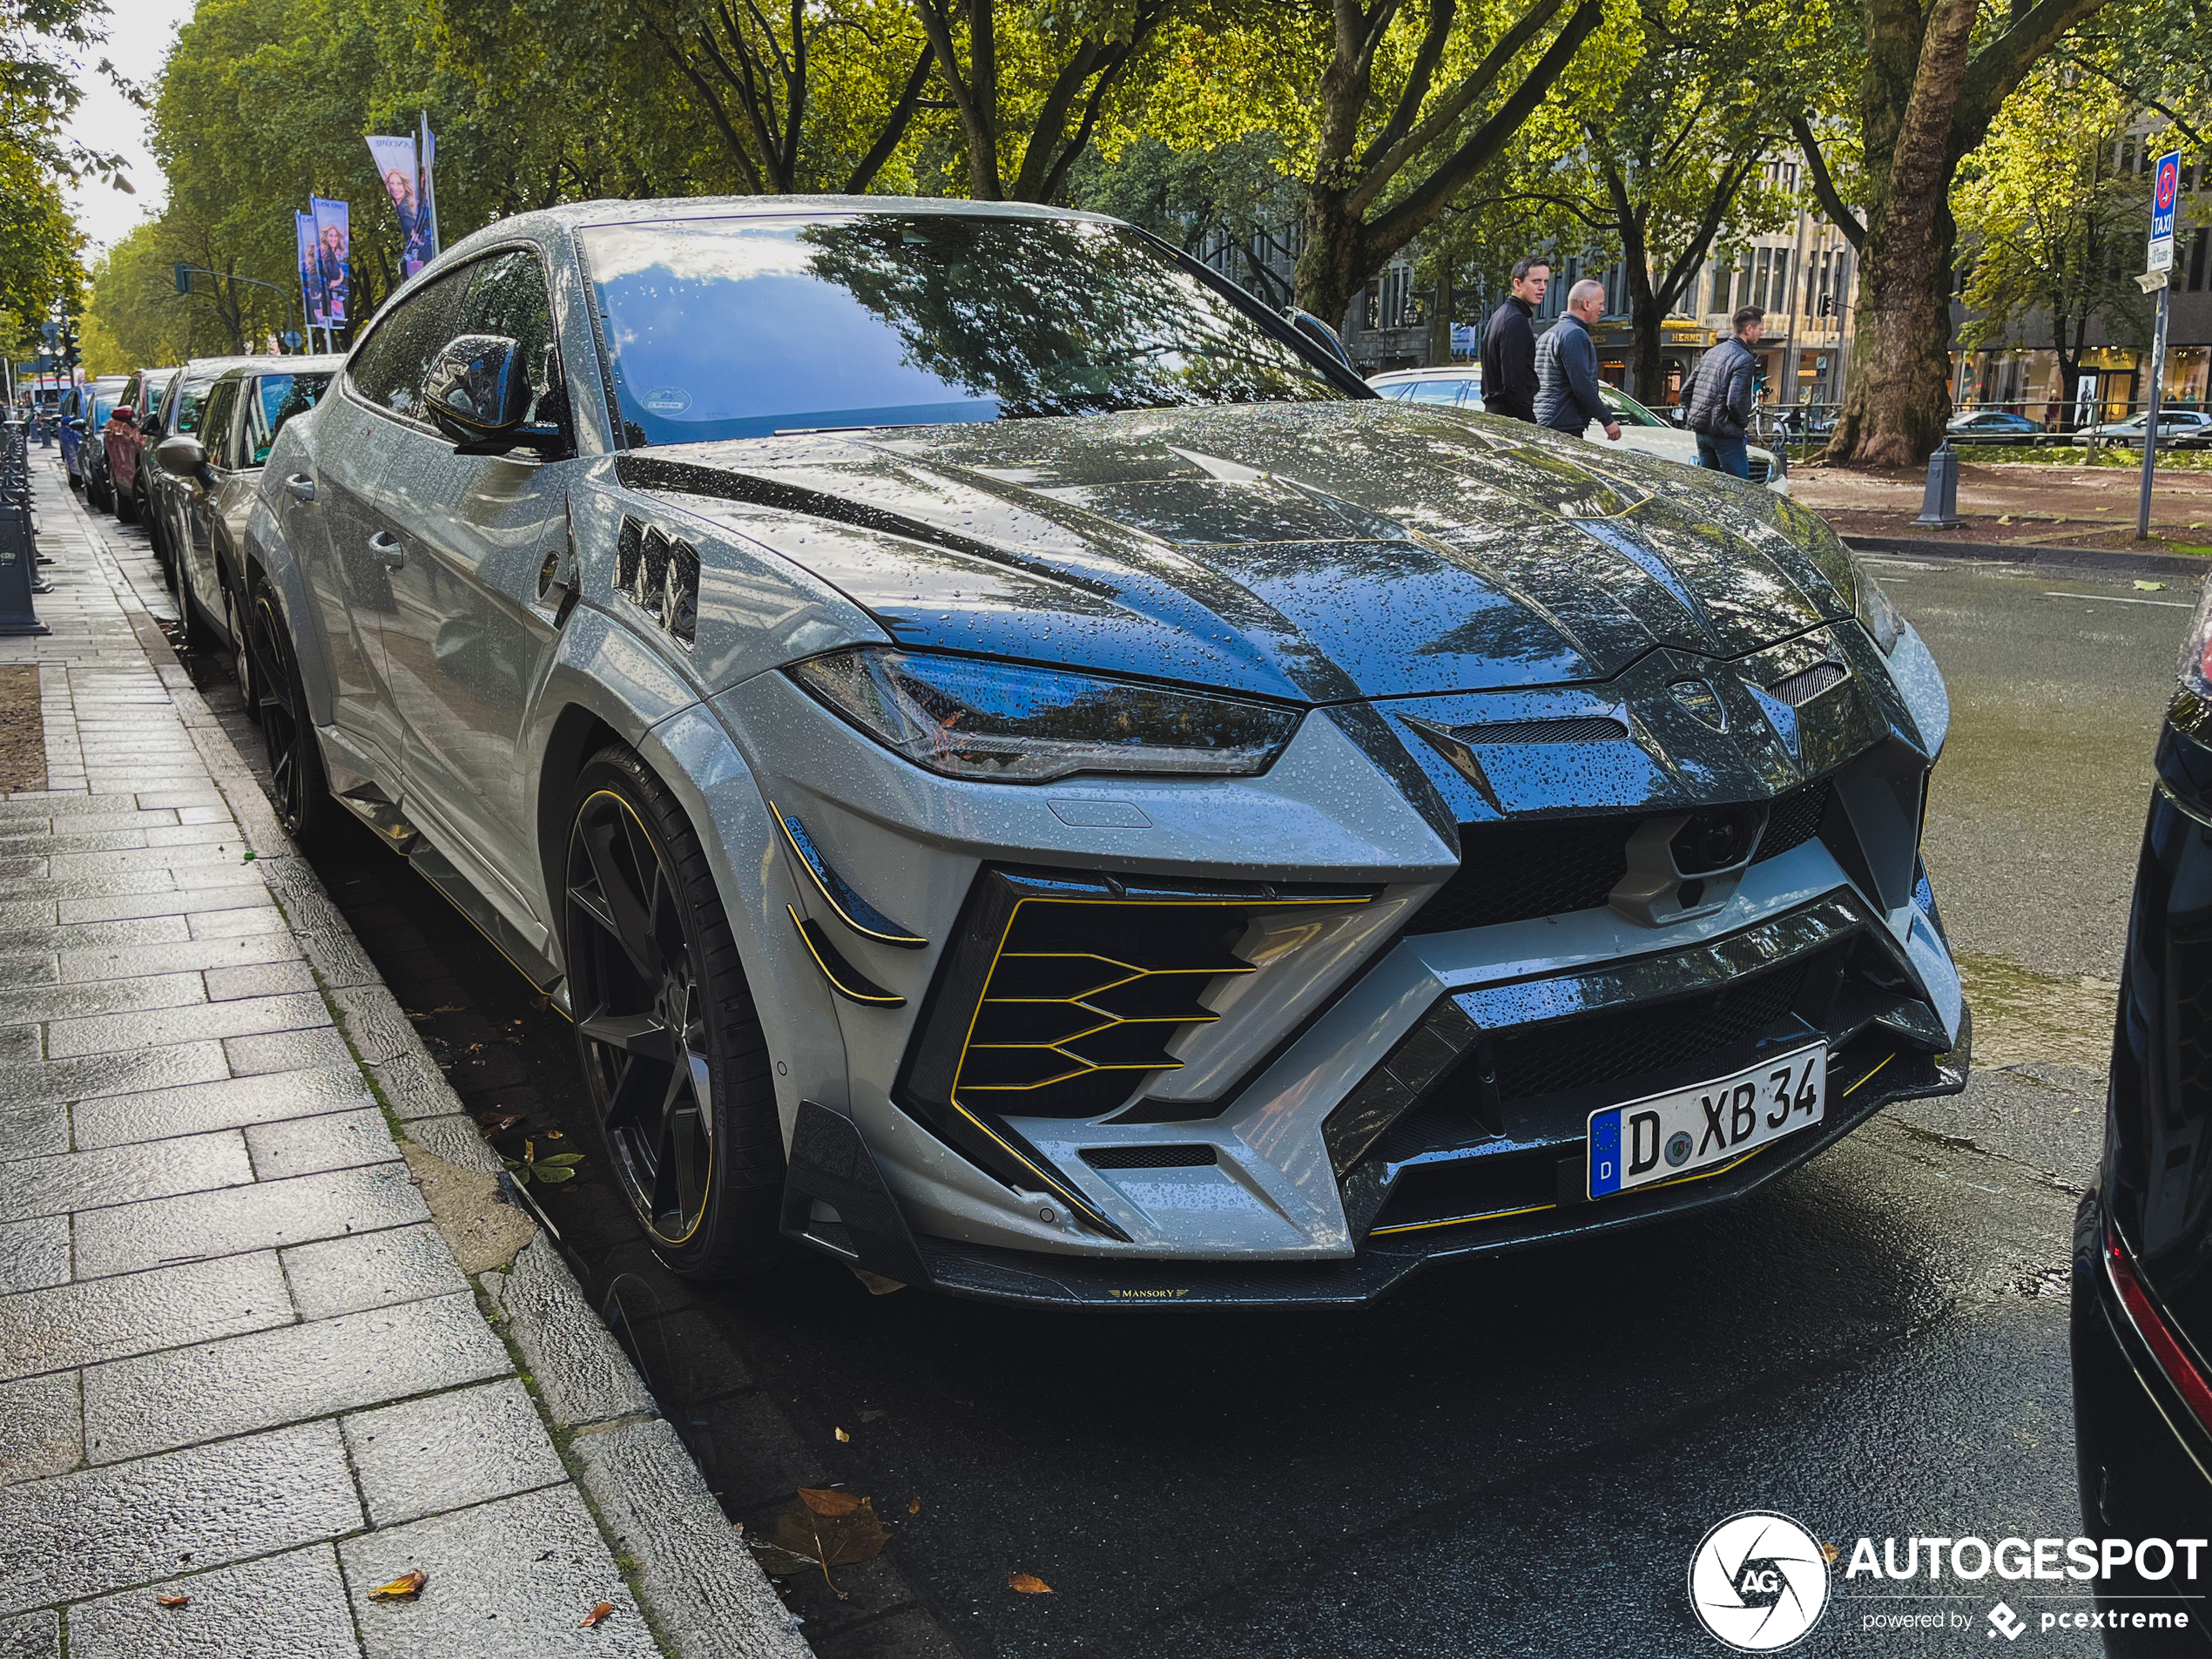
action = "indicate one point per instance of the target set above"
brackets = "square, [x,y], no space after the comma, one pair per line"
[241,651]
[296,776]
[671,1047]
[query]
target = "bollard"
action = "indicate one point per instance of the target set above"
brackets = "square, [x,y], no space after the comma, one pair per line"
[19,548]
[1939,507]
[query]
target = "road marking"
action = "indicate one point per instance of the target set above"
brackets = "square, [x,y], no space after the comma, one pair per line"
[2114,599]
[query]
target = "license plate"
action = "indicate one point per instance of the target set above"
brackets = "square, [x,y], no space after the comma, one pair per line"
[1663,1137]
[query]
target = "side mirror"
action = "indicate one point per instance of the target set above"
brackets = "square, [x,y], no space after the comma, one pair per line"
[181,456]
[1318,332]
[478,390]
[124,413]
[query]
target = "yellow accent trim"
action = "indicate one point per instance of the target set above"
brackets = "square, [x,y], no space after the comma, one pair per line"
[888,1000]
[1459,1221]
[907,940]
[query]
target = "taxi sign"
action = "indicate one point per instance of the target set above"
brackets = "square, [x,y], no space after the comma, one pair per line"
[2165,197]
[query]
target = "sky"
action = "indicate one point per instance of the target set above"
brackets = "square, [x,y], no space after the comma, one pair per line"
[140,33]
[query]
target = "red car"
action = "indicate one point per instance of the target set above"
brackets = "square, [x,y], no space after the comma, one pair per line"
[126,437]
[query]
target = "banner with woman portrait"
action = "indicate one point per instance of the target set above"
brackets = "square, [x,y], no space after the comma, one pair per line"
[399,168]
[333,258]
[311,295]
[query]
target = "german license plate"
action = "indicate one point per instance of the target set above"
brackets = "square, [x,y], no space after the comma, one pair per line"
[1663,1137]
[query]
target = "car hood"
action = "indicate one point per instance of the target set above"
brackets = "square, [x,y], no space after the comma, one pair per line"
[1316,552]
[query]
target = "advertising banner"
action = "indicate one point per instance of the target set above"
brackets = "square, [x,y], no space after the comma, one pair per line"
[399,170]
[333,258]
[311,300]
[426,146]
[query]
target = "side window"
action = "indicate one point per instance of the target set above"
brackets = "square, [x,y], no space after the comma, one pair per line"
[274,400]
[189,399]
[389,368]
[215,423]
[507,297]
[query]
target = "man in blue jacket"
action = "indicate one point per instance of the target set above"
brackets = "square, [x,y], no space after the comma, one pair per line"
[1568,398]
[1723,394]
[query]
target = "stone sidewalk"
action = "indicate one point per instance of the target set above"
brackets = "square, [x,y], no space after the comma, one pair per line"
[267,1339]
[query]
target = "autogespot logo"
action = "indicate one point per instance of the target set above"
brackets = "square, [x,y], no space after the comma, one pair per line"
[1759,1582]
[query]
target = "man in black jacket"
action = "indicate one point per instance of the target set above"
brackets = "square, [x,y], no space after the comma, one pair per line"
[1568,398]
[1722,394]
[1509,343]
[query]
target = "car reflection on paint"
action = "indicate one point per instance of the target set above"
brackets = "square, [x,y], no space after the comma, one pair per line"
[1029,779]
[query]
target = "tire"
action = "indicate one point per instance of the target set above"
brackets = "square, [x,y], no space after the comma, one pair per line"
[650,955]
[234,621]
[297,779]
[126,507]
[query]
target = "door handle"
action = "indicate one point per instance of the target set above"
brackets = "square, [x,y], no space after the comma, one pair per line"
[388,548]
[301,486]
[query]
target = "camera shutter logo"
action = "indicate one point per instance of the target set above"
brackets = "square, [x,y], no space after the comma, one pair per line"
[1759,1582]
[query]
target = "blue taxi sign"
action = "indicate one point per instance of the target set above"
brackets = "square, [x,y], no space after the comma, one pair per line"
[2165,192]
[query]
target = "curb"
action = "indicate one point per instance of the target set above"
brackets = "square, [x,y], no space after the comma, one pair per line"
[2074,558]
[703,1592]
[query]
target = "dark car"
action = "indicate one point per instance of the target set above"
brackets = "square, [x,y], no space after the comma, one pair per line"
[127,435]
[84,413]
[100,402]
[1992,426]
[161,495]
[213,474]
[2143,1258]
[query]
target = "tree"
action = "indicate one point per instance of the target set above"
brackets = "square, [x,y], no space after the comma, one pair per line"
[1930,83]
[1234,190]
[2049,224]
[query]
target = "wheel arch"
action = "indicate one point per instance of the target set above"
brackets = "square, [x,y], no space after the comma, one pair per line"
[266,557]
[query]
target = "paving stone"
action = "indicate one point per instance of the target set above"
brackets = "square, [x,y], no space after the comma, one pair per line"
[261,979]
[83,1075]
[34,1254]
[657,1508]
[140,930]
[336,1140]
[129,819]
[65,1325]
[284,1607]
[229,1103]
[35,1635]
[176,901]
[185,955]
[415,1088]
[217,831]
[246,1017]
[122,1175]
[99,997]
[41,1427]
[33,1129]
[505,1579]
[287,1051]
[87,1533]
[156,1401]
[581,1370]
[237,1219]
[452,1449]
[237,924]
[20,969]
[371,1270]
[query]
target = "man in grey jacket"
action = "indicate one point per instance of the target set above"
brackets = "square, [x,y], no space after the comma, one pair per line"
[1567,399]
[1724,393]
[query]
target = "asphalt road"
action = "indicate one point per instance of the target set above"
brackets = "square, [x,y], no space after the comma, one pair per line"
[1515,1458]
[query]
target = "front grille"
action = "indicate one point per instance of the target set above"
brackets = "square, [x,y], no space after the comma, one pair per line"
[1149,1157]
[1795,819]
[1589,728]
[1801,688]
[1652,1037]
[1761,469]
[1518,872]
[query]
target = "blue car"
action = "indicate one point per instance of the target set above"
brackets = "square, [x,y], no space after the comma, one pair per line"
[85,409]
[1992,426]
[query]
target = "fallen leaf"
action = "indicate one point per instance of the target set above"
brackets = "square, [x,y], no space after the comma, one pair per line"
[1828,1553]
[842,1436]
[173,1601]
[824,1501]
[401,1589]
[914,1508]
[555,1134]
[495,1124]
[598,1615]
[541,1002]
[2150,587]
[822,1529]
[1028,1584]
[2004,518]
[448,1007]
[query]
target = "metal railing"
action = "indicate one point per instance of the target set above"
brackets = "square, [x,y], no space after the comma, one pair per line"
[19,541]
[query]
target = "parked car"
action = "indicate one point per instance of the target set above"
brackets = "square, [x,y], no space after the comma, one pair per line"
[2142,1274]
[1641,430]
[136,417]
[82,417]
[1029,779]
[2177,429]
[214,473]
[161,496]
[1992,425]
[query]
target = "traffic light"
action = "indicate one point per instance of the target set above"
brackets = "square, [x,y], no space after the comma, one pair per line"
[184,278]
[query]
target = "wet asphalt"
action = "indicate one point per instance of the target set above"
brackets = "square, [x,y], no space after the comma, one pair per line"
[1511,1458]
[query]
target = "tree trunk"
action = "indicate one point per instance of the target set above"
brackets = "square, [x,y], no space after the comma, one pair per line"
[1333,266]
[1439,320]
[1899,398]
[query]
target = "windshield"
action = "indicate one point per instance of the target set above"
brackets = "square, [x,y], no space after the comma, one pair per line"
[741,328]
[1627,409]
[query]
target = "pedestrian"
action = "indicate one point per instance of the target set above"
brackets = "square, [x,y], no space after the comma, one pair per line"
[1509,343]
[1724,393]
[1568,398]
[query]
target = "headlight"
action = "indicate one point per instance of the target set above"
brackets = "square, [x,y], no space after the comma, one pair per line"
[1875,612]
[2196,650]
[1001,723]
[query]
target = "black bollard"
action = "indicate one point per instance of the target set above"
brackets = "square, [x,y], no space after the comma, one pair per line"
[1939,507]
[19,548]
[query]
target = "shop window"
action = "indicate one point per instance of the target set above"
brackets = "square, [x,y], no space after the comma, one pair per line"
[2197,260]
